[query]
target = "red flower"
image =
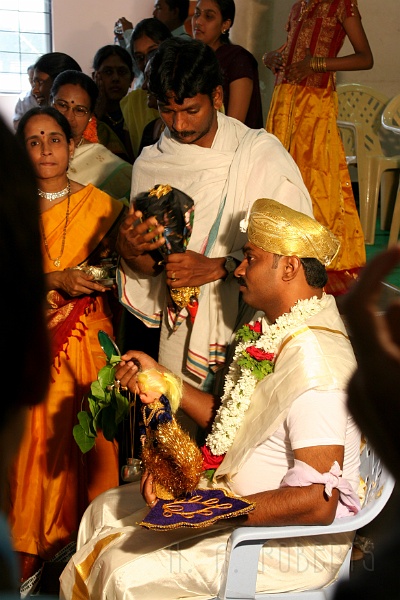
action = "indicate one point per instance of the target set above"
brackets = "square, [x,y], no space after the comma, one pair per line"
[259,354]
[256,327]
[210,461]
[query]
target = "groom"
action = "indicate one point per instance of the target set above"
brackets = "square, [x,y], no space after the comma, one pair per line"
[279,438]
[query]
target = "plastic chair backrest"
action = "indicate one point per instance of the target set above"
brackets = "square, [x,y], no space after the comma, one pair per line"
[364,105]
[391,115]
[245,543]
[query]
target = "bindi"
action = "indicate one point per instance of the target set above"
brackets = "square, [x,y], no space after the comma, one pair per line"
[42,133]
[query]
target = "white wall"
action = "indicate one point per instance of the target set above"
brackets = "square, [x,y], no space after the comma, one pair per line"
[80,27]
[381,21]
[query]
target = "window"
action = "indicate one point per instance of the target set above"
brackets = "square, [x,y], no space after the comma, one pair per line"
[25,34]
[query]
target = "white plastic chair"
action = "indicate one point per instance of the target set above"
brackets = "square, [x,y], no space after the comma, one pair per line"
[245,543]
[359,120]
[391,122]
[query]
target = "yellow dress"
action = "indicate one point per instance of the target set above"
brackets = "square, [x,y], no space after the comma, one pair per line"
[136,116]
[303,116]
[51,482]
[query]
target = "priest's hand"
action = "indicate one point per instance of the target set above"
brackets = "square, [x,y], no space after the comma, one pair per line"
[137,238]
[190,268]
[132,361]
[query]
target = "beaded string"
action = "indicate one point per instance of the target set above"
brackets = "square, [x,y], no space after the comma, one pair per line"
[56,261]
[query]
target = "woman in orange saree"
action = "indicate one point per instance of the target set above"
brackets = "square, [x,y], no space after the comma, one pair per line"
[303,115]
[52,482]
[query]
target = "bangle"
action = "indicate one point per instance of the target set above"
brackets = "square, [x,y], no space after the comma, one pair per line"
[151,504]
[318,64]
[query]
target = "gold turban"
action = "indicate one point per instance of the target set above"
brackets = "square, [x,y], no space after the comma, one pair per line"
[279,229]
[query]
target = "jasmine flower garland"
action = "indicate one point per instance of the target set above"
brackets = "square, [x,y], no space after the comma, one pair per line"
[254,360]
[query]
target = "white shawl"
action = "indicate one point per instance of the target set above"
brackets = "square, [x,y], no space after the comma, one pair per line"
[96,164]
[242,165]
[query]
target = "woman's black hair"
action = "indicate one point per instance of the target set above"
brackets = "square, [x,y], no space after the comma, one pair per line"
[76,78]
[227,9]
[112,50]
[153,29]
[54,63]
[43,110]
[20,249]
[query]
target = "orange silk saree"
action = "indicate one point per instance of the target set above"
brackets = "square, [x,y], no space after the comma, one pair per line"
[52,483]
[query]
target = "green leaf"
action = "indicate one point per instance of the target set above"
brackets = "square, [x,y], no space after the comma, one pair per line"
[97,421]
[107,408]
[96,390]
[114,360]
[86,422]
[106,376]
[121,407]
[84,441]
[245,334]
[93,406]
[108,423]
[209,474]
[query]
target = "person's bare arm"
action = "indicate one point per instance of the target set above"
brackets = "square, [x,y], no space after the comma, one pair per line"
[361,59]
[200,406]
[307,505]
[240,92]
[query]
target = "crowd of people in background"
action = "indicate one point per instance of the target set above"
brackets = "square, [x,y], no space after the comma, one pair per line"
[172,101]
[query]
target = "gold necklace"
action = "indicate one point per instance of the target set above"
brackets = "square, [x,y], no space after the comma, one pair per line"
[56,261]
[115,123]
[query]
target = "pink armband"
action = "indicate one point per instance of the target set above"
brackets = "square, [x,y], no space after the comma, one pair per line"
[303,474]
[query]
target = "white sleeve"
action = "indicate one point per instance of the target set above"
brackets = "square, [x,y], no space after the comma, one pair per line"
[318,418]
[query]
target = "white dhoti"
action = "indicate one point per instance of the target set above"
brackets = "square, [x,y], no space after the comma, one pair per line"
[127,562]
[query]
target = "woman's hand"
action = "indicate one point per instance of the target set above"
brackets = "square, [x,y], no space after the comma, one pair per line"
[125,23]
[74,282]
[146,489]
[274,60]
[300,70]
